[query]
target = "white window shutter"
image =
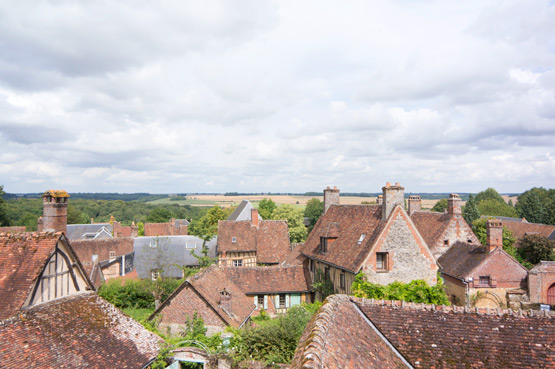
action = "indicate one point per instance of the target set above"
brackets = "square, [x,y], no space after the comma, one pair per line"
[256,301]
[277,301]
[287,301]
[265,302]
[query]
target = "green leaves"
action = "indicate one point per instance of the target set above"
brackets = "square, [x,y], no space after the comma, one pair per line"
[295,222]
[266,207]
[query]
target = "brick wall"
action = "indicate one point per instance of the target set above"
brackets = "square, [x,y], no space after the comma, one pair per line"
[165,229]
[174,315]
[16,229]
[539,280]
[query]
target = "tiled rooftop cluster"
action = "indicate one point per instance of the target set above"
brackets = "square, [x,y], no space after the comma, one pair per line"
[266,280]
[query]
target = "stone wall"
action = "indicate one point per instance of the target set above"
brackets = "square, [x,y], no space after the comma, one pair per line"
[457,230]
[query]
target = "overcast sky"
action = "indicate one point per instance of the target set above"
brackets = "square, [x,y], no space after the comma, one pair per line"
[280,96]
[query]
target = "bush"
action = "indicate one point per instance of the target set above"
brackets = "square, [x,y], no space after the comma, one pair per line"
[415,291]
[135,293]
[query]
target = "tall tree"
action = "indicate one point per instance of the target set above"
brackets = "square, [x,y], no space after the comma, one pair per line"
[313,211]
[4,221]
[206,227]
[440,206]
[536,205]
[493,207]
[295,222]
[266,207]
[489,194]
[537,248]
[470,211]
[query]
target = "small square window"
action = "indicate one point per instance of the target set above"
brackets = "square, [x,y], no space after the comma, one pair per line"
[112,255]
[381,261]
[155,274]
[238,263]
[260,299]
[484,280]
[282,300]
[233,239]
[446,242]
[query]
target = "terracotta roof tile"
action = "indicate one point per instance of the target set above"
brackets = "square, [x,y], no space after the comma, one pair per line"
[461,258]
[431,225]
[520,229]
[82,330]
[243,232]
[254,280]
[351,221]
[22,258]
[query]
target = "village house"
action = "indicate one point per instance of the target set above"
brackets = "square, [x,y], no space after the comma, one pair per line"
[274,289]
[441,230]
[350,332]
[252,242]
[212,296]
[379,240]
[483,276]
[541,283]
[520,228]
[50,316]
[243,212]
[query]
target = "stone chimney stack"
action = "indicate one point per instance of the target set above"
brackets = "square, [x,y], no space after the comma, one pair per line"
[454,204]
[134,230]
[415,204]
[494,229]
[392,196]
[331,197]
[254,217]
[379,200]
[54,211]
[225,300]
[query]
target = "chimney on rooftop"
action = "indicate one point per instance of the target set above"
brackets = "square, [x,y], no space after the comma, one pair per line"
[331,197]
[415,204]
[225,300]
[392,196]
[454,204]
[379,200]
[254,217]
[54,211]
[494,228]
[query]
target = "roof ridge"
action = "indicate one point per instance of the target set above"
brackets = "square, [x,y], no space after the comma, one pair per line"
[397,304]
[29,235]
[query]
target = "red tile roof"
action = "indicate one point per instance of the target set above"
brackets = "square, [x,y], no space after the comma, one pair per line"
[22,259]
[520,229]
[461,258]
[266,280]
[427,336]
[351,221]
[79,331]
[431,225]
[270,239]
[209,283]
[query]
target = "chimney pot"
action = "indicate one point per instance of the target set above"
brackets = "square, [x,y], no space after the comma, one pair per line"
[397,184]
[392,196]
[388,184]
[454,204]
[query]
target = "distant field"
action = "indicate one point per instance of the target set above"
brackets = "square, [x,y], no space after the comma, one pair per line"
[226,201]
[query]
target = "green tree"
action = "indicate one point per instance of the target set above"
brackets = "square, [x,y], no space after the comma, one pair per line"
[206,227]
[74,216]
[537,248]
[494,208]
[313,211]
[266,207]
[159,215]
[440,206]
[489,194]
[534,205]
[470,211]
[4,221]
[479,229]
[295,222]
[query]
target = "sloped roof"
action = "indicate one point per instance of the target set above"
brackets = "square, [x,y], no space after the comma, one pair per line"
[519,229]
[80,231]
[294,257]
[209,283]
[78,331]
[353,220]
[22,259]
[339,336]
[272,241]
[461,258]
[266,280]
[431,225]
[243,211]
[426,336]
[243,232]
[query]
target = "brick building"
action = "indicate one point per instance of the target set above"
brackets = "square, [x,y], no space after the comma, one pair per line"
[541,283]
[483,276]
[349,332]
[380,240]
[54,213]
[252,242]
[174,227]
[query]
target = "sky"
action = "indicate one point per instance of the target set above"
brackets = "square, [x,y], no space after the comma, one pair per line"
[276,96]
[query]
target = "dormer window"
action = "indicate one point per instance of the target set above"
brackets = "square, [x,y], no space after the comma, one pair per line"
[323,245]
[112,255]
[233,239]
[362,237]
[446,243]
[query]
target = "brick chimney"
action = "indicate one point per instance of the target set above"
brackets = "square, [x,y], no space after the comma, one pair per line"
[494,229]
[415,204]
[331,197]
[54,211]
[392,196]
[454,204]
[379,200]
[134,230]
[225,300]
[254,217]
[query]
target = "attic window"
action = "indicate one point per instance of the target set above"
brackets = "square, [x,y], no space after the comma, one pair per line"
[112,255]
[362,236]
[446,242]
[233,239]
[323,245]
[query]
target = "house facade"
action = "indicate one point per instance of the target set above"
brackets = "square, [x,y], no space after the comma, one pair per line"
[541,283]
[483,276]
[379,240]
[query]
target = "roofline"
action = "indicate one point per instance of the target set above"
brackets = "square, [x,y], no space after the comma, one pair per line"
[274,292]
[332,264]
[248,317]
[78,261]
[452,276]
[377,331]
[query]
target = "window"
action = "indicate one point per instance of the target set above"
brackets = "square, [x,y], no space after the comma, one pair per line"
[281,300]
[238,263]
[260,299]
[484,280]
[327,273]
[362,236]
[191,245]
[154,273]
[342,280]
[323,245]
[446,243]
[233,239]
[312,266]
[381,261]
[469,241]
[112,255]
[153,244]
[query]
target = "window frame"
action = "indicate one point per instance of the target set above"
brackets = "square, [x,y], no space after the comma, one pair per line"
[484,278]
[383,264]
[284,304]
[237,262]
